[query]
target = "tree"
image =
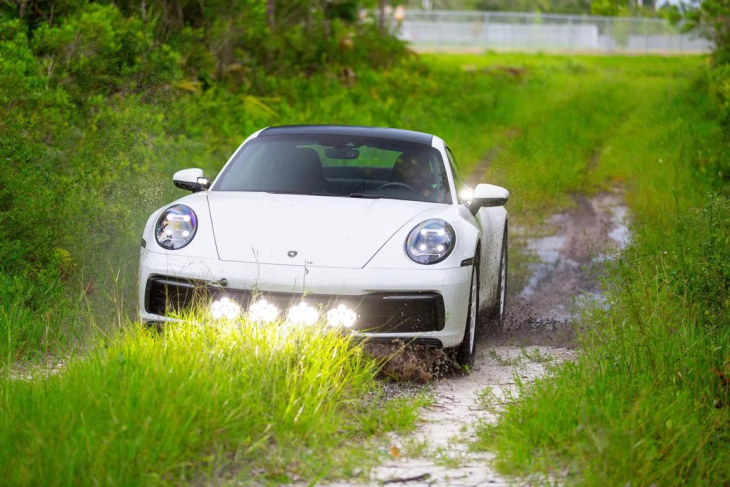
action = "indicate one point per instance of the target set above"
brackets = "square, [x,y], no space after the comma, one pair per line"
[712,20]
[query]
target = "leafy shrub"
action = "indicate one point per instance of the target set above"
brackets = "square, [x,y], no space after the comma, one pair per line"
[34,122]
[719,86]
[33,316]
[699,262]
[99,51]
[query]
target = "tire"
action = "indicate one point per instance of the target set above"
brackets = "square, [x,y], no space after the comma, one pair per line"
[495,320]
[466,352]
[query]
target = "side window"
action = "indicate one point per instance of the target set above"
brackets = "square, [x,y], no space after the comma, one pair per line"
[458,180]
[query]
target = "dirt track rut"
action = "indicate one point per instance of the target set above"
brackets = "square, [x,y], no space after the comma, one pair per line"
[565,257]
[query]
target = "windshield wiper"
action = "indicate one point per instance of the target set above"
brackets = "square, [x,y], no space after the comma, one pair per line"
[364,195]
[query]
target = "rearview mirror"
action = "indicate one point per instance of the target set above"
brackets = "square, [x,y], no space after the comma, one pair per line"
[342,153]
[488,196]
[191,180]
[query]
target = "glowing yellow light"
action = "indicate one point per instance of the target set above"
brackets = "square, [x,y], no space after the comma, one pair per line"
[302,314]
[341,316]
[466,194]
[225,309]
[263,312]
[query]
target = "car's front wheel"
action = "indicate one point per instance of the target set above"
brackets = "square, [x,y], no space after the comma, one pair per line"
[466,352]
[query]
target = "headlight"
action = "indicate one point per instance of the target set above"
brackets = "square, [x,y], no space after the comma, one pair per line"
[430,242]
[176,227]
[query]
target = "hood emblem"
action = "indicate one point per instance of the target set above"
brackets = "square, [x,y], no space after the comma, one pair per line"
[292,253]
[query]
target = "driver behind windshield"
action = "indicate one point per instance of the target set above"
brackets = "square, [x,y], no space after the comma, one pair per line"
[414,171]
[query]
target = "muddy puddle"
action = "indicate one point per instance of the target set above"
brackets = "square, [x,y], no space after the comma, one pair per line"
[559,268]
[565,259]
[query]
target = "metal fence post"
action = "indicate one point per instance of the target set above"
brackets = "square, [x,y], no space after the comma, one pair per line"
[646,35]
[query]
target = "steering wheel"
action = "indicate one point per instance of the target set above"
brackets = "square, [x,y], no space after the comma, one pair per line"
[400,185]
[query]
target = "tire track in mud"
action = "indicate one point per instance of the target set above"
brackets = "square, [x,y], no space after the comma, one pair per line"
[562,262]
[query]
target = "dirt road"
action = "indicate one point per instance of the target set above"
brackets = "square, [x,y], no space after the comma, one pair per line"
[558,269]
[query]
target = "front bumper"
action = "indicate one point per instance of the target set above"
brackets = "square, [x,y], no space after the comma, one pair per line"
[429,305]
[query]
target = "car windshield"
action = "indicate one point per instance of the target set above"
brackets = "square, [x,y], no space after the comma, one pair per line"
[338,165]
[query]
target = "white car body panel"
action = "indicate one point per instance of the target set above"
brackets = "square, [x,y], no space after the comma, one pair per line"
[344,246]
[274,224]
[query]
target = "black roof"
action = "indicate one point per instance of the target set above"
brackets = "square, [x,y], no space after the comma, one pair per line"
[376,132]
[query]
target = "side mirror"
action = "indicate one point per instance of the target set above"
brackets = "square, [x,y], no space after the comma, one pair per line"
[487,196]
[191,180]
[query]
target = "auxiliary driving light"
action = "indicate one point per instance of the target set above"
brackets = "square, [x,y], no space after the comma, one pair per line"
[302,314]
[341,316]
[225,309]
[263,312]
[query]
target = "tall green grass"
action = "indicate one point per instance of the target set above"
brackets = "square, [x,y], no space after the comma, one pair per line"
[202,402]
[35,319]
[569,116]
[648,399]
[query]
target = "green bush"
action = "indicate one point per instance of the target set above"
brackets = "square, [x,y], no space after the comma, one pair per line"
[34,316]
[34,122]
[719,85]
[699,263]
[98,51]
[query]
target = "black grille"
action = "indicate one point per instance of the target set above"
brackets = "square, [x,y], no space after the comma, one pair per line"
[415,312]
[168,294]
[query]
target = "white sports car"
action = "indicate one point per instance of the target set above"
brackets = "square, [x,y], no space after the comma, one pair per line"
[367,229]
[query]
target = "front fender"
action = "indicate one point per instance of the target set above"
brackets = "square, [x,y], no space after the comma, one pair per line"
[392,255]
[202,245]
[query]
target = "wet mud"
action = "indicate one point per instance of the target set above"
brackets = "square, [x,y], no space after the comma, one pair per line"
[557,266]
[565,261]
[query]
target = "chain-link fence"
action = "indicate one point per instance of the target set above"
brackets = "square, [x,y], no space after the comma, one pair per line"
[548,32]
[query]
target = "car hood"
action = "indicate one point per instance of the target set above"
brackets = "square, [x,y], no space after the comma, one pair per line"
[317,231]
